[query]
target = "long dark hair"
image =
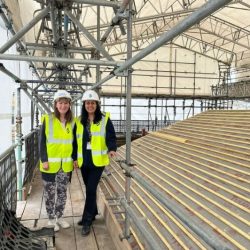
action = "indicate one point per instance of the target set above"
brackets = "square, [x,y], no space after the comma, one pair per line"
[68,115]
[84,114]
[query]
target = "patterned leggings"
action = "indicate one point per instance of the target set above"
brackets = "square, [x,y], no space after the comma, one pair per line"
[55,194]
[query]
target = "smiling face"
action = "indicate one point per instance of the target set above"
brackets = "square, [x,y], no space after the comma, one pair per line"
[63,105]
[90,106]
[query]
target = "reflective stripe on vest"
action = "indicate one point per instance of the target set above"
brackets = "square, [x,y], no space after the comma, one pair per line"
[69,159]
[59,145]
[51,138]
[103,130]
[102,152]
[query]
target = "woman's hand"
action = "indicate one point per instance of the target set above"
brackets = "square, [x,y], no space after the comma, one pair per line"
[75,163]
[112,154]
[46,165]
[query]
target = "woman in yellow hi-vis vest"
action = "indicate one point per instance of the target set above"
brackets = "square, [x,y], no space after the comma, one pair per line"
[55,153]
[94,143]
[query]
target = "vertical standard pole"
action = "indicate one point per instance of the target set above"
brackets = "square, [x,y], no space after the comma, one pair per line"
[156,92]
[13,118]
[195,59]
[98,37]
[37,117]
[32,115]
[128,118]
[19,145]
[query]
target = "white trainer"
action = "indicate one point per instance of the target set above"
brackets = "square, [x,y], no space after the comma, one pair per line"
[52,222]
[63,223]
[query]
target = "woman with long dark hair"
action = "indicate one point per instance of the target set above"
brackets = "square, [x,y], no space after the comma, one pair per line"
[94,142]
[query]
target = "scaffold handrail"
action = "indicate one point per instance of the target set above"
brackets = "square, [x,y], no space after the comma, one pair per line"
[31,154]
[13,235]
[207,235]
[6,152]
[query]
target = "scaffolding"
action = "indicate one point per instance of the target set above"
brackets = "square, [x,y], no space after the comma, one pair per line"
[62,59]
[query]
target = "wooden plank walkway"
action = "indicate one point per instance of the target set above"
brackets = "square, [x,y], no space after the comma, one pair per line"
[32,214]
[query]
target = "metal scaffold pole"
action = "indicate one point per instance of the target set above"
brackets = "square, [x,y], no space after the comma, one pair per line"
[207,9]
[13,129]
[128,118]
[98,37]
[19,145]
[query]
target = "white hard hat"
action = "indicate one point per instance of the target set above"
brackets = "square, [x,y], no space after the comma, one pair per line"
[90,95]
[61,93]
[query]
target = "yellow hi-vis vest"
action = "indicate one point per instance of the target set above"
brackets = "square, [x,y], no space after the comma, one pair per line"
[59,144]
[99,148]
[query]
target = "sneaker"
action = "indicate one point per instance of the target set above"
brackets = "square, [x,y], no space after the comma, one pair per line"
[52,222]
[63,223]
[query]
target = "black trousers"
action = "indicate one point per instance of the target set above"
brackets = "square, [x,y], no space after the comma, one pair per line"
[91,176]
